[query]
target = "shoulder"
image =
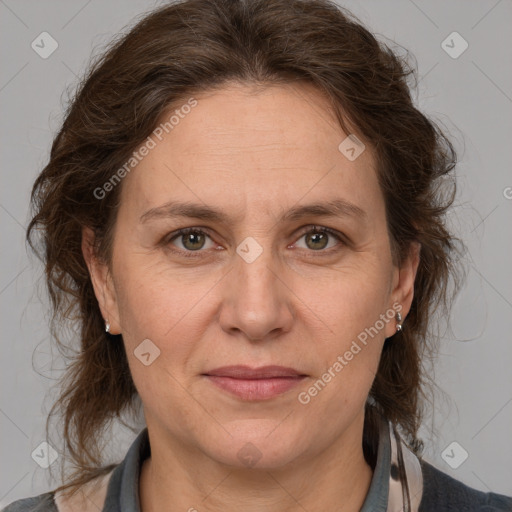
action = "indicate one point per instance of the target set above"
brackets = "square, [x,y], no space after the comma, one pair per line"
[42,503]
[442,493]
[90,497]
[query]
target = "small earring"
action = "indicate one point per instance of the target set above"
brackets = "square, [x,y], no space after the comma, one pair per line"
[107,326]
[398,317]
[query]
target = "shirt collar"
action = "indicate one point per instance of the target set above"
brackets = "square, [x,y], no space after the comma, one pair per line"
[377,497]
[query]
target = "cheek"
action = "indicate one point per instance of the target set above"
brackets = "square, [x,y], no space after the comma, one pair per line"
[347,299]
[173,311]
[174,320]
[156,300]
[353,306]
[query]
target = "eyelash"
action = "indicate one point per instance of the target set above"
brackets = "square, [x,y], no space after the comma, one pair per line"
[167,242]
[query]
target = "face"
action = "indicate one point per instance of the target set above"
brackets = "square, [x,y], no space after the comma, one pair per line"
[285,261]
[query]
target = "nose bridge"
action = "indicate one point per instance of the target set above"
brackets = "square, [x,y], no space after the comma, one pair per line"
[254,277]
[257,303]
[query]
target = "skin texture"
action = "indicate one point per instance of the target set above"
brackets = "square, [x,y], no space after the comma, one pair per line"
[253,154]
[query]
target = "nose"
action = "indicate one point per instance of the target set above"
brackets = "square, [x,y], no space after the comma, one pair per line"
[257,301]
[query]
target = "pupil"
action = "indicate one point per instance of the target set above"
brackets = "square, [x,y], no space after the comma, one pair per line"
[195,239]
[318,237]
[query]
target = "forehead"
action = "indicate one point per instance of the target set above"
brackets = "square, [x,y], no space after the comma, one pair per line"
[239,145]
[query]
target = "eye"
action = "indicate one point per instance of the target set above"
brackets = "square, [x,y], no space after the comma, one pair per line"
[319,239]
[191,239]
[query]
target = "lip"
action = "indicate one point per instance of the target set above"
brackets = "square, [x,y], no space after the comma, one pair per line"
[246,372]
[260,383]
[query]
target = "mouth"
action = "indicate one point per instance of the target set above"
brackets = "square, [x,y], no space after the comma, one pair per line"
[251,384]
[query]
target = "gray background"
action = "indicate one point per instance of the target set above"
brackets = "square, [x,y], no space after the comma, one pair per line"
[471,96]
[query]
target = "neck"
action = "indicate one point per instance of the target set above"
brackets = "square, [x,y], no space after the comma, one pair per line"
[336,479]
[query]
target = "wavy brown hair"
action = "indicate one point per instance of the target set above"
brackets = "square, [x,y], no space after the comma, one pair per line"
[191,46]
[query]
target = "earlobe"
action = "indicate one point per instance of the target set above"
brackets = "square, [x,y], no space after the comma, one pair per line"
[102,282]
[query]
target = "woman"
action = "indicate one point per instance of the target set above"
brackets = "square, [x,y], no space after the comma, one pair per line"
[277,356]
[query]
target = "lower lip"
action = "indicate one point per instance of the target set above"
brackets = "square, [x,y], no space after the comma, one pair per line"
[256,389]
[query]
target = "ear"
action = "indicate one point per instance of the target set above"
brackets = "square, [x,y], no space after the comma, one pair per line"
[403,285]
[102,282]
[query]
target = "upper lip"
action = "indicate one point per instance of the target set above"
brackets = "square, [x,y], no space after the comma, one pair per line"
[246,372]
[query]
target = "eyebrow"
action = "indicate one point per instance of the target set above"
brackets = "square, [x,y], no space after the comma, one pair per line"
[333,208]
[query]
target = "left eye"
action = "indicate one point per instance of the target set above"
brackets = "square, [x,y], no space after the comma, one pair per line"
[191,239]
[318,239]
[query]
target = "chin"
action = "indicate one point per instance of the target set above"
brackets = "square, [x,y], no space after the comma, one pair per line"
[257,443]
